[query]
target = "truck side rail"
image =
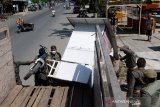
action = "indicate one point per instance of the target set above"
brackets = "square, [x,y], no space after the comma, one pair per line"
[7,77]
[106,86]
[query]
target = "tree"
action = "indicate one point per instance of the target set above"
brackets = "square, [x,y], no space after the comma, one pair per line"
[5,2]
[37,1]
[82,2]
[149,1]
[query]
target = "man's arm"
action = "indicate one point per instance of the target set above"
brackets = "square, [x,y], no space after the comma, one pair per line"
[128,51]
[23,62]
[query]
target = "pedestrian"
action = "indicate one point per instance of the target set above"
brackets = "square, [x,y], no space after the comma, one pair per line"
[150,93]
[114,22]
[149,26]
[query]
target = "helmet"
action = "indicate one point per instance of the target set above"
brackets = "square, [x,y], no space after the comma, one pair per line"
[150,73]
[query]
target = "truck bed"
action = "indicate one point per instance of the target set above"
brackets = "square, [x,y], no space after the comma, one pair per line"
[36,96]
[48,96]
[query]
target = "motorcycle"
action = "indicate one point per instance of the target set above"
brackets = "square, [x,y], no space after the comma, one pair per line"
[38,64]
[25,27]
[53,12]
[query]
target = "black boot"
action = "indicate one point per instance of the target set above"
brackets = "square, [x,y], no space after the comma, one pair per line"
[149,38]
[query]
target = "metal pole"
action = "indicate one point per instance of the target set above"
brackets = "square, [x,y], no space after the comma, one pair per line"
[2,8]
[107,8]
[140,17]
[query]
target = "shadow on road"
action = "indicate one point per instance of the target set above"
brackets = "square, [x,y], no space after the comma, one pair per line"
[67,13]
[65,24]
[140,40]
[62,33]
[121,30]
[155,48]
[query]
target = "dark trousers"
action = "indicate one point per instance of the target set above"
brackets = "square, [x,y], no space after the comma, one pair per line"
[20,27]
[149,34]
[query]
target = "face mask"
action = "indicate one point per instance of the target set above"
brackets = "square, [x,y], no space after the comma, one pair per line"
[53,52]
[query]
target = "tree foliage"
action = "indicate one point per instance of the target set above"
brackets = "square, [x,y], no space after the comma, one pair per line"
[36,1]
[82,2]
[5,2]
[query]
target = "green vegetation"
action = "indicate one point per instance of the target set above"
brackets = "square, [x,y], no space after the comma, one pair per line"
[82,2]
[5,2]
[37,1]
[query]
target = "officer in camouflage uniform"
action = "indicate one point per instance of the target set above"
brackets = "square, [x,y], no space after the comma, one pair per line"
[54,55]
[136,79]
[129,59]
[150,94]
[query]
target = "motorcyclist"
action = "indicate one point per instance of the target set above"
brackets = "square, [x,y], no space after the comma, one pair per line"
[53,12]
[20,22]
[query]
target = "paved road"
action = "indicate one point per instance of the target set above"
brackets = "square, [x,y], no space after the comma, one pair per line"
[48,31]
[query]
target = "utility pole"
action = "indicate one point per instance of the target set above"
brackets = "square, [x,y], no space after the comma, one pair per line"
[140,15]
[1,5]
[96,9]
[107,8]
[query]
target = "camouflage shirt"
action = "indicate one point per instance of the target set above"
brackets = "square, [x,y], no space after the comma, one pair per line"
[150,95]
[56,56]
[135,81]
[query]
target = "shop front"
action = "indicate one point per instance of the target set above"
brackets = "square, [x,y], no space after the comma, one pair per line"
[19,5]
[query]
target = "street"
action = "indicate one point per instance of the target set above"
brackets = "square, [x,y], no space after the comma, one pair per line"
[47,31]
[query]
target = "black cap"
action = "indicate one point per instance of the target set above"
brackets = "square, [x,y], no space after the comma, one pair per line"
[53,47]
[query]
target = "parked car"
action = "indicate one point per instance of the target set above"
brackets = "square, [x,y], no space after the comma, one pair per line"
[32,8]
[76,10]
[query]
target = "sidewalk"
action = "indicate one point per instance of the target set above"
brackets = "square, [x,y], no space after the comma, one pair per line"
[143,48]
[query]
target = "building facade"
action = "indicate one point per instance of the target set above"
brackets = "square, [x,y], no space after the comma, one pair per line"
[19,5]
